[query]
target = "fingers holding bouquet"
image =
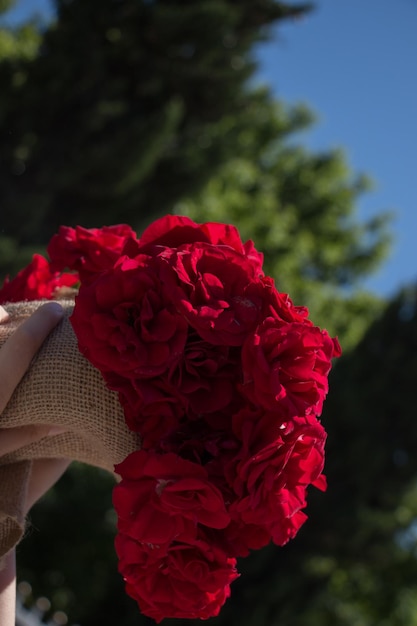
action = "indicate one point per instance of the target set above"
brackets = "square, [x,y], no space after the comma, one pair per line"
[15,358]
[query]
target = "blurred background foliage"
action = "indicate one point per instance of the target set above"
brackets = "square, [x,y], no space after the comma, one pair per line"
[123,110]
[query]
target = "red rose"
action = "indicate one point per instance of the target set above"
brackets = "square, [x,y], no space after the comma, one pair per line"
[174,231]
[217,291]
[36,282]
[285,367]
[241,537]
[191,581]
[198,441]
[151,407]
[88,250]
[164,497]
[280,306]
[206,376]
[125,322]
[277,462]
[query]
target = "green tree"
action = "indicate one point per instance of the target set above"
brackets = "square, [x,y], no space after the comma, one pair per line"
[300,210]
[17,46]
[6,5]
[160,117]
[123,110]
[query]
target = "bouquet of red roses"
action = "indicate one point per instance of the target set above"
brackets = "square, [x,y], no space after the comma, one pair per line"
[224,379]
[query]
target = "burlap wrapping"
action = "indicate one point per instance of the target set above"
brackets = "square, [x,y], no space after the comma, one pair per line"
[63,389]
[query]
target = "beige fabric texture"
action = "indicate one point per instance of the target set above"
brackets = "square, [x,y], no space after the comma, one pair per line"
[63,389]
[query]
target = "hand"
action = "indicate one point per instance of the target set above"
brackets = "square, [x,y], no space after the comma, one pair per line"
[15,358]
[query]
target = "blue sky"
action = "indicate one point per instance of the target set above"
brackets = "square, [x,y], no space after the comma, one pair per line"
[354,63]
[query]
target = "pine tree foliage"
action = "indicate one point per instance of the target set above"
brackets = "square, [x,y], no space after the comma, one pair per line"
[108,118]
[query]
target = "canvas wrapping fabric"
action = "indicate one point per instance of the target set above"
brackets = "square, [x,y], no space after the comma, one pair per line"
[60,388]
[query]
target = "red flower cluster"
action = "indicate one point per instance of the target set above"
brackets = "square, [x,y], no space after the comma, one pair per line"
[37,281]
[223,377]
[85,251]
[88,251]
